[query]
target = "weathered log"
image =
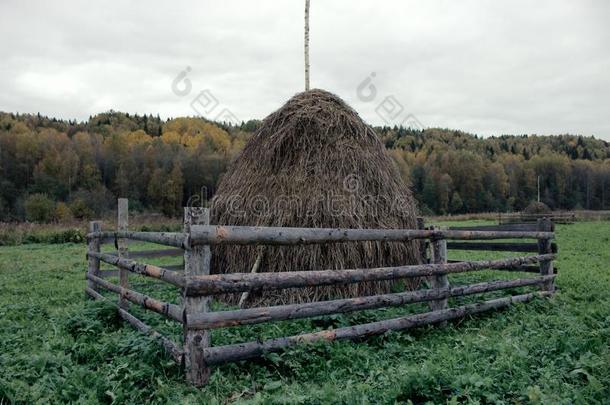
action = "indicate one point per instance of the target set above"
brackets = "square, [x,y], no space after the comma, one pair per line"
[250,235]
[424,244]
[156,253]
[494,246]
[93,266]
[306,47]
[526,268]
[242,351]
[196,262]
[223,319]
[545,246]
[238,282]
[94,294]
[123,248]
[115,273]
[166,309]
[149,270]
[557,218]
[498,246]
[170,347]
[506,227]
[245,294]
[174,267]
[439,256]
[175,239]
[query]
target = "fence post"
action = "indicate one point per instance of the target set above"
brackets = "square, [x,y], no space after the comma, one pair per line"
[439,256]
[93,245]
[544,247]
[423,243]
[196,262]
[122,246]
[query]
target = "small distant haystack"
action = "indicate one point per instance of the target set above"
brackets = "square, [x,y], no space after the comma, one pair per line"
[314,163]
[538,208]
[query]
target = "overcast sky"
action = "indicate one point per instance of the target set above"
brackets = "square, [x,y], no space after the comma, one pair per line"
[487,67]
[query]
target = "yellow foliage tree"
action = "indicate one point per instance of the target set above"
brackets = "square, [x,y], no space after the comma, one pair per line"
[193,131]
[171,137]
[138,137]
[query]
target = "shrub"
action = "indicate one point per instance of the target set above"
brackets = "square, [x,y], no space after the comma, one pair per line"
[80,209]
[39,208]
[63,213]
[17,234]
[73,235]
[99,200]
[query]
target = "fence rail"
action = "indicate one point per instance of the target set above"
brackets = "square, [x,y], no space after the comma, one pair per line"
[239,282]
[243,351]
[213,320]
[522,217]
[251,235]
[197,286]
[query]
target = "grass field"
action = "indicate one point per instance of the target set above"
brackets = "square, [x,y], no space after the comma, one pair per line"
[56,346]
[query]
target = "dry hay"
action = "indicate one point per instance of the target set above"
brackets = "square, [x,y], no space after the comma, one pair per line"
[536,207]
[314,163]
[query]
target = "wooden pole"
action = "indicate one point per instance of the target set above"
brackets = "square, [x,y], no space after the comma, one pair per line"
[122,247]
[494,246]
[156,253]
[545,246]
[306,45]
[423,244]
[254,235]
[93,245]
[176,239]
[439,256]
[166,309]
[238,282]
[148,270]
[169,346]
[242,351]
[257,263]
[223,319]
[196,263]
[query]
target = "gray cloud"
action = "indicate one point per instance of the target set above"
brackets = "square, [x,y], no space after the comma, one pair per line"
[484,67]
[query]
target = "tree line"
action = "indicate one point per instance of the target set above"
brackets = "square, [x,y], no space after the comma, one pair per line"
[56,170]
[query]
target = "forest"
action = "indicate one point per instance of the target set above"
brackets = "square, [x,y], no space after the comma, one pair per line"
[58,170]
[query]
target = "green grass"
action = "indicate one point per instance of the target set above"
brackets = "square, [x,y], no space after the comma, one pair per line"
[57,347]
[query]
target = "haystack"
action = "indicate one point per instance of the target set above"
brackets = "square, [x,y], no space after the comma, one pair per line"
[314,163]
[538,208]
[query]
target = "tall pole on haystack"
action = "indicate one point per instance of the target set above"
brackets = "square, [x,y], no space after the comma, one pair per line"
[306,45]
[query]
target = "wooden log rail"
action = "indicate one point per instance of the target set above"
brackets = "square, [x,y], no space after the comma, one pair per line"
[526,268]
[238,282]
[223,319]
[251,235]
[497,246]
[175,239]
[170,347]
[154,253]
[529,227]
[148,270]
[516,217]
[170,311]
[198,286]
[243,351]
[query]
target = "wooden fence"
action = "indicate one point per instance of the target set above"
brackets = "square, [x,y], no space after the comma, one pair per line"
[197,285]
[521,217]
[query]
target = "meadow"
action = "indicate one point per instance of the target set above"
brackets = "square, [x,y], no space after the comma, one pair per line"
[56,346]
